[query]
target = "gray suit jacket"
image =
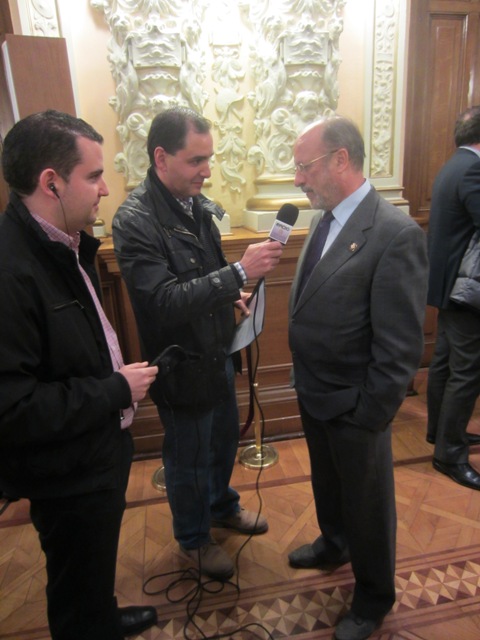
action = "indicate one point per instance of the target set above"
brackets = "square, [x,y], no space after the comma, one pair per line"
[356,331]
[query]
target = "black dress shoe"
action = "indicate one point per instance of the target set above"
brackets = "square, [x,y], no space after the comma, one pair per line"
[354,627]
[317,556]
[134,620]
[472,438]
[463,473]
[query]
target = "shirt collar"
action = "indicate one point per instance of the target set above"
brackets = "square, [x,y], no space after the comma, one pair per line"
[475,151]
[57,235]
[344,210]
[187,205]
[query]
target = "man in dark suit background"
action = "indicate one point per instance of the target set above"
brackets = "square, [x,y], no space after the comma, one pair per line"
[356,335]
[454,373]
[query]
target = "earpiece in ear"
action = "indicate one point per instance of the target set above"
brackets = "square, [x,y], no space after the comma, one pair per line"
[53,188]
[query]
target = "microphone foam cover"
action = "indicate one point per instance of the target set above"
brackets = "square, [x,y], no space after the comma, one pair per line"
[288,213]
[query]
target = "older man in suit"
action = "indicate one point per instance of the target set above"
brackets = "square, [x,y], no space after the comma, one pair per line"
[454,374]
[356,334]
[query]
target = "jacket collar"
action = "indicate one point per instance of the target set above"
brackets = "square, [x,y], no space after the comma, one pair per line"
[166,207]
[18,212]
[348,243]
[161,196]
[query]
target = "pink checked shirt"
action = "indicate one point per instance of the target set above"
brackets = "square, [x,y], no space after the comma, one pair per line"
[73,242]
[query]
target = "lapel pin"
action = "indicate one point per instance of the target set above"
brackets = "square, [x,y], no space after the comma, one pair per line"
[353,247]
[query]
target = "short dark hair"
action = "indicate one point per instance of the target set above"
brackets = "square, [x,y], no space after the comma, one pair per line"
[170,127]
[339,132]
[467,127]
[39,141]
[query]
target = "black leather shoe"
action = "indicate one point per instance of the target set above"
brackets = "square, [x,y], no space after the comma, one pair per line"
[354,627]
[316,556]
[472,439]
[134,620]
[463,473]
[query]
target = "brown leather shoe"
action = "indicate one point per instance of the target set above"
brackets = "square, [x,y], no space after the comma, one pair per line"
[211,560]
[243,521]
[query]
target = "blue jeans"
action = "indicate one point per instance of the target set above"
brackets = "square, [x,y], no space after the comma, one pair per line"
[199,452]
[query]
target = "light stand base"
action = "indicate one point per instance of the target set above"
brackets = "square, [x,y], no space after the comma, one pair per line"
[158,479]
[254,457]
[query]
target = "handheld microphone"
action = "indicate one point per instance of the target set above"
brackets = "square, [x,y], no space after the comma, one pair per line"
[283,225]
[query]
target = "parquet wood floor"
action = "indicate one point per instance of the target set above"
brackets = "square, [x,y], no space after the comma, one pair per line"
[438,555]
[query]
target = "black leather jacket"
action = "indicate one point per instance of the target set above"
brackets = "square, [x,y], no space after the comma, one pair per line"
[60,400]
[166,261]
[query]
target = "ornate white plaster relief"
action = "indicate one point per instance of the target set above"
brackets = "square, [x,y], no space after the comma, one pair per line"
[384,77]
[280,57]
[39,18]
[295,56]
[384,128]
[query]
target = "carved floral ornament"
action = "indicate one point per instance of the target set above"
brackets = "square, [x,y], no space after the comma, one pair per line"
[42,18]
[267,66]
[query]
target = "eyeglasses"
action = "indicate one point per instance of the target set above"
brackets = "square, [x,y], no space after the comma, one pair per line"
[302,168]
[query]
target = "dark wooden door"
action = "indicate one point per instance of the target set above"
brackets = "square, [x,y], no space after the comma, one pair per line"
[443,80]
[6,116]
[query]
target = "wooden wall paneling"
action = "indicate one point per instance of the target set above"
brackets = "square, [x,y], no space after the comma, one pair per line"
[40,75]
[6,123]
[6,113]
[416,115]
[448,81]
[40,72]
[6,24]
[474,58]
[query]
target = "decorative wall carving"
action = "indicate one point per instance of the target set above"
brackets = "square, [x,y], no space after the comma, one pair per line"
[227,74]
[295,53]
[281,57]
[41,17]
[385,68]
[259,69]
[156,61]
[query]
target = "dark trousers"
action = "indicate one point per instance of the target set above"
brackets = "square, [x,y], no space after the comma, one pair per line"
[453,382]
[199,454]
[353,487]
[79,536]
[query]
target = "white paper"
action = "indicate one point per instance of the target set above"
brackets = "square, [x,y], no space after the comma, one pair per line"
[251,326]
